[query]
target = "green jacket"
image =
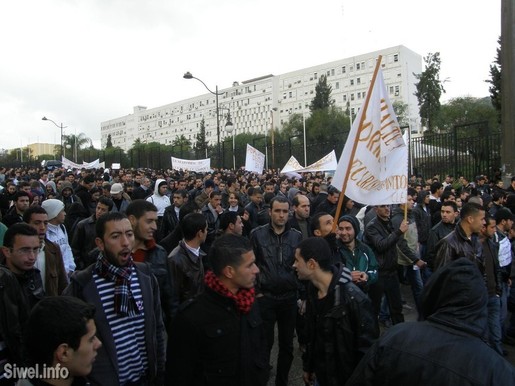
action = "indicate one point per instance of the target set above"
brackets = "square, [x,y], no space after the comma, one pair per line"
[362,259]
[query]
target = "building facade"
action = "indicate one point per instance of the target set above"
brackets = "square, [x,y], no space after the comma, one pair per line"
[258,104]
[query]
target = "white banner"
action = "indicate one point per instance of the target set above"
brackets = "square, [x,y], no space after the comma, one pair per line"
[375,157]
[85,165]
[291,166]
[199,165]
[67,164]
[324,164]
[91,165]
[254,160]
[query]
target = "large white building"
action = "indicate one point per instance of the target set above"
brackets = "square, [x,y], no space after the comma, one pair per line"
[258,104]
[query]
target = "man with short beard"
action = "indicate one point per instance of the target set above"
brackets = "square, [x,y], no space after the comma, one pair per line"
[49,260]
[463,241]
[83,239]
[143,217]
[20,205]
[449,214]
[128,318]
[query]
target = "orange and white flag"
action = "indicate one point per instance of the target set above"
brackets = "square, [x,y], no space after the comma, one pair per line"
[373,167]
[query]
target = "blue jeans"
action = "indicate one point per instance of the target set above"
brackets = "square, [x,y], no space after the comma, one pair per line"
[494,323]
[415,281]
[284,313]
[389,286]
[504,306]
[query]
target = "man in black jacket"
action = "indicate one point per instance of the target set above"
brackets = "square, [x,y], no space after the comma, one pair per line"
[382,238]
[454,306]
[463,241]
[218,337]
[449,214]
[274,246]
[143,217]
[341,324]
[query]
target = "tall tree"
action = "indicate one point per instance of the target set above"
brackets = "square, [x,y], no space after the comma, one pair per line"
[322,99]
[429,90]
[201,144]
[495,81]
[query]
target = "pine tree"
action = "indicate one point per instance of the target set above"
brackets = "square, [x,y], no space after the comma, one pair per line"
[322,99]
[429,90]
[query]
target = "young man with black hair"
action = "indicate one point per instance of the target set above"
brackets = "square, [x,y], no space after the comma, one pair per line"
[143,217]
[231,223]
[463,241]
[212,211]
[128,317]
[61,338]
[83,239]
[341,324]
[15,213]
[186,261]
[171,214]
[49,260]
[274,246]
[218,337]
[449,214]
[20,251]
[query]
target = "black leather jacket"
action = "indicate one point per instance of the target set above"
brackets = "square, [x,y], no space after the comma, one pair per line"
[14,312]
[275,255]
[341,328]
[187,272]
[438,232]
[382,238]
[457,245]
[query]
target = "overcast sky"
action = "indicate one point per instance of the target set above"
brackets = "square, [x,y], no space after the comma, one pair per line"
[81,62]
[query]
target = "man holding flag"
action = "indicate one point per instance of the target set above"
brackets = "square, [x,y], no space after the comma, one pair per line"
[373,170]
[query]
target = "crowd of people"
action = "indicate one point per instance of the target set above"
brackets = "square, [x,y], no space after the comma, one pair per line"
[145,277]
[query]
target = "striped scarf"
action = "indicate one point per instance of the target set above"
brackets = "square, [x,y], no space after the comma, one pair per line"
[124,302]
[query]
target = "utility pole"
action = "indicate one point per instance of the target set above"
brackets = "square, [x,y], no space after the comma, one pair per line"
[508,91]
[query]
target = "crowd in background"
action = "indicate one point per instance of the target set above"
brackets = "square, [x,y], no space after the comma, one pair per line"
[192,273]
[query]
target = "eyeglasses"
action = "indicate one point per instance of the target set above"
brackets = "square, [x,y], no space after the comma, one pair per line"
[25,251]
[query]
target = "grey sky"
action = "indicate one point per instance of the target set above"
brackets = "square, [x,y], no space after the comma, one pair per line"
[81,62]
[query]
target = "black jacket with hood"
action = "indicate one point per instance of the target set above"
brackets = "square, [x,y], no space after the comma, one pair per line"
[449,347]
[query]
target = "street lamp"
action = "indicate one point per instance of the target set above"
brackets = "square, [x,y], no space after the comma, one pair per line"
[229,127]
[188,75]
[62,127]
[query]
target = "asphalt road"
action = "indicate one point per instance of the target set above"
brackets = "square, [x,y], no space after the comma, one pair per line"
[410,315]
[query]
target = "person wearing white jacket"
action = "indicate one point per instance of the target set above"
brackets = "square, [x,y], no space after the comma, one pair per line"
[56,232]
[161,201]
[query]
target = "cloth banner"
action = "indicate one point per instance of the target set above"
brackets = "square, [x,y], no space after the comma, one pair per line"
[324,164]
[198,165]
[67,164]
[254,160]
[291,166]
[91,165]
[375,157]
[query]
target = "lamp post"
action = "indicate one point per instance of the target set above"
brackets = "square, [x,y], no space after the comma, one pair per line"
[229,127]
[188,75]
[61,127]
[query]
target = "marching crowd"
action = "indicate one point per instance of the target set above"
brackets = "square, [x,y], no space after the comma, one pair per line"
[146,277]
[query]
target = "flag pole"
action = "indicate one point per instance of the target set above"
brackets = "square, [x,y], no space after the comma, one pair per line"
[355,144]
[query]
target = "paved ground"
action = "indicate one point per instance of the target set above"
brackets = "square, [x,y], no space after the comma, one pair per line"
[410,315]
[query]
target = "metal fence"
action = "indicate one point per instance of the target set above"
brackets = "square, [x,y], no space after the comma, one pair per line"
[470,149]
